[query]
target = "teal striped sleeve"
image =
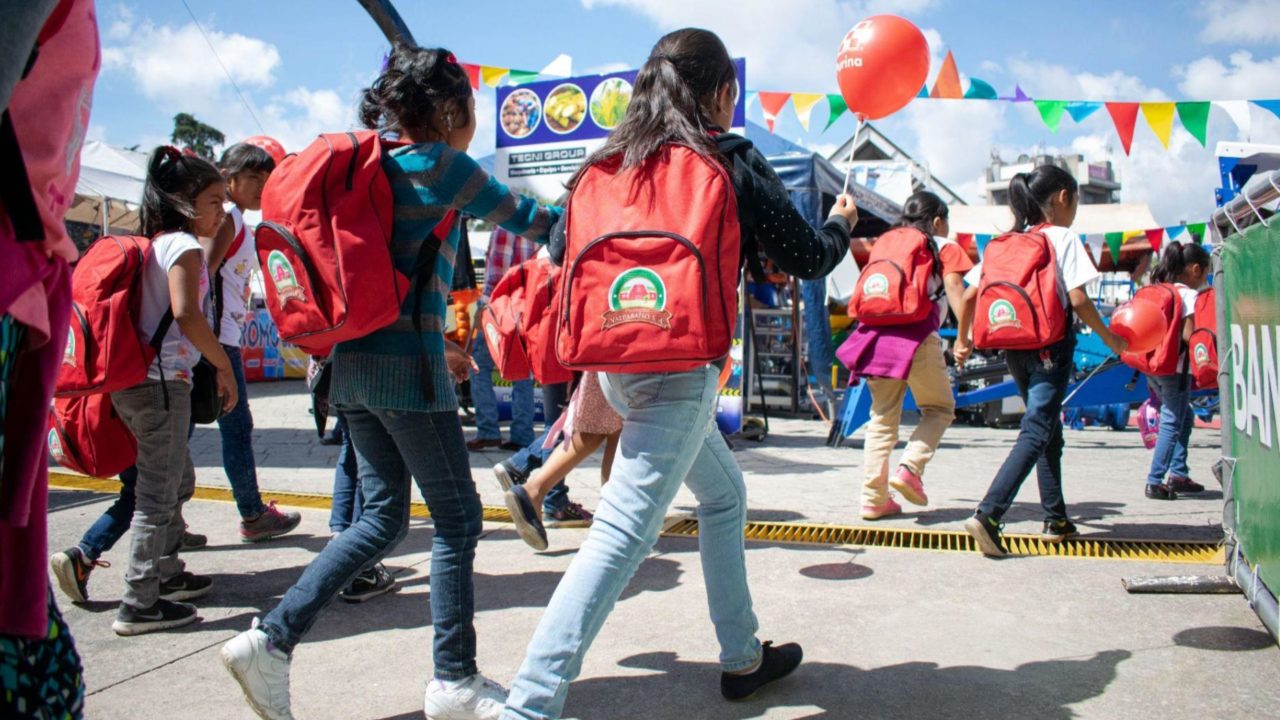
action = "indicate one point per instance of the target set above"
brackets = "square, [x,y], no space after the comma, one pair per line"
[476,193]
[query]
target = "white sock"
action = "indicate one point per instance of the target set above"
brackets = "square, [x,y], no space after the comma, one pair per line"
[452,684]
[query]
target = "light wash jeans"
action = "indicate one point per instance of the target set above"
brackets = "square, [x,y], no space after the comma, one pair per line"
[669,436]
[1176,420]
[486,404]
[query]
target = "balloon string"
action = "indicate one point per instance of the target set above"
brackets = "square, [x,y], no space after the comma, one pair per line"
[853,147]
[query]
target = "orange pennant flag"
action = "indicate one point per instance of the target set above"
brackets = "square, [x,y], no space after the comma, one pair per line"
[947,84]
[771,103]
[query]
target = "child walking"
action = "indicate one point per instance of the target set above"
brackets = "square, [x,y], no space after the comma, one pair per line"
[380,385]
[182,200]
[1186,265]
[1046,200]
[894,358]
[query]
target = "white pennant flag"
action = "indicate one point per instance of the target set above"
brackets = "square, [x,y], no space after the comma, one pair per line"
[1240,114]
[1095,243]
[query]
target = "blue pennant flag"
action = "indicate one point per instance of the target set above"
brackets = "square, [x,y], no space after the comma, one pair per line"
[1174,231]
[1081,110]
[1272,105]
[982,244]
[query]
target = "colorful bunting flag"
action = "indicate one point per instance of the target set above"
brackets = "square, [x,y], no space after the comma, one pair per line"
[1238,111]
[837,107]
[1270,105]
[771,103]
[520,77]
[1174,231]
[1159,116]
[1155,236]
[1197,231]
[982,241]
[1125,116]
[1018,95]
[964,240]
[473,74]
[493,75]
[1114,241]
[1080,110]
[947,84]
[1094,242]
[1051,112]
[979,90]
[1195,118]
[924,91]
[803,104]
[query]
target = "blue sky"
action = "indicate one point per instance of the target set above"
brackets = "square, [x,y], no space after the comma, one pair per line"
[302,64]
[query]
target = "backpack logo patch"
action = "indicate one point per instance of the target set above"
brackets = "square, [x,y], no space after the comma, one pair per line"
[638,296]
[55,446]
[876,286]
[69,355]
[284,278]
[1001,314]
[1201,354]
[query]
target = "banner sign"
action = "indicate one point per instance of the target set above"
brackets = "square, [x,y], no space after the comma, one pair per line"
[547,129]
[264,356]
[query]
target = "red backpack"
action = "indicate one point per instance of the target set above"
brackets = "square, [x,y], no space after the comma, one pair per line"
[893,288]
[87,436]
[1163,358]
[324,243]
[519,323]
[1022,303]
[1203,343]
[651,266]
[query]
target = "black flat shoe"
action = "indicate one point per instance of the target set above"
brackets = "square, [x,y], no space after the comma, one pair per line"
[525,517]
[1161,491]
[775,664]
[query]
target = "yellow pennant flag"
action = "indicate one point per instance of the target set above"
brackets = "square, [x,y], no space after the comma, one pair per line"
[803,103]
[493,75]
[1135,234]
[1159,116]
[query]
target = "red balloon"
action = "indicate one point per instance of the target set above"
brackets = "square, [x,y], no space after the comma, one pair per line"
[1141,324]
[270,144]
[882,64]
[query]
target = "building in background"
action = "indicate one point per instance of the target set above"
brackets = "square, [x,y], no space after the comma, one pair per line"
[1099,184]
[880,165]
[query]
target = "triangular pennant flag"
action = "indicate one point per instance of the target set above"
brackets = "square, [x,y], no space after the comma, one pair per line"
[1081,110]
[473,74]
[924,91]
[947,84]
[964,240]
[1195,118]
[1095,247]
[1238,110]
[979,90]
[1155,236]
[1174,231]
[1159,116]
[803,104]
[1125,116]
[1271,105]
[1197,231]
[771,103]
[982,241]
[1051,112]
[493,75]
[1114,241]
[519,77]
[836,107]
[1018,95]
[562,66]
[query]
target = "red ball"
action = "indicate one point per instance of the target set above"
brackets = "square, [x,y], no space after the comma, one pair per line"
[882,64]
[1141,324]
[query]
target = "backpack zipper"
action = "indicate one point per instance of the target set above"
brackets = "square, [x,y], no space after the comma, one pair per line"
[568,292]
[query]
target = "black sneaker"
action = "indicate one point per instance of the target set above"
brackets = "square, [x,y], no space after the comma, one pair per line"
[1161,491]
[775,664]
[369,584]
[525,517]
[508,475]
[192,541]
[185,586]
[163,615]
[1185,485]
[72,568]
[1055,531]
[986,532]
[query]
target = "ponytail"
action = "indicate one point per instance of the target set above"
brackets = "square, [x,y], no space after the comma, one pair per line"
[1029,194]
[174,179]
[414,85]
[1175,259]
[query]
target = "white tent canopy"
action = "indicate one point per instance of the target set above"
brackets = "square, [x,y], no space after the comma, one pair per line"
[109,190]
[1090,219]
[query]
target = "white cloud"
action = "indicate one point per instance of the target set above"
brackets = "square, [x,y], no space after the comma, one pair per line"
[298,116]
[938,128]
[1240,21]
[486,124]
[608,68]
[1245,78]
[1051,81]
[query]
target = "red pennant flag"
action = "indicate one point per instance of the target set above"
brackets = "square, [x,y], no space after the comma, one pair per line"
[947,84]
[1124,115]
[1155,236]
[965,240]
[473,74]
[771,103]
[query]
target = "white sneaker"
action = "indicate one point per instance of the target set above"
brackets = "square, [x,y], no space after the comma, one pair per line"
[262,671]
[476,698]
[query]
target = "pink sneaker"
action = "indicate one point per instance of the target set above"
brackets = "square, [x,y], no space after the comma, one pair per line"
[271,523]
[883,510]
[910,485]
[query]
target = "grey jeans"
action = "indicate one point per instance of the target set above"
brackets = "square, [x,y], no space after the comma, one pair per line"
[166,481]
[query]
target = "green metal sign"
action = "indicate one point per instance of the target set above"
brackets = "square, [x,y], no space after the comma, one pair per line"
[1250,294]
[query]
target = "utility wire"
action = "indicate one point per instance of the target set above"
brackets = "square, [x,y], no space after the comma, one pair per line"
[226,72]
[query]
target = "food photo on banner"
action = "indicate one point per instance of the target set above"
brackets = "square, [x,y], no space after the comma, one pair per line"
[547,129]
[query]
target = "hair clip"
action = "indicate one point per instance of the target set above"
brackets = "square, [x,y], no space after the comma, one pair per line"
[170,152]
[449,58]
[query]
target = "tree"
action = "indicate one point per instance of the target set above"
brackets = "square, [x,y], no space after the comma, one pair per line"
[190,133]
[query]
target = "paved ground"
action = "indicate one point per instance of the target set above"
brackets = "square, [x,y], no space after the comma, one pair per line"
[887,633]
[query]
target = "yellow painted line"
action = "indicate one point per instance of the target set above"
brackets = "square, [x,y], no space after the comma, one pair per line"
[1171,551]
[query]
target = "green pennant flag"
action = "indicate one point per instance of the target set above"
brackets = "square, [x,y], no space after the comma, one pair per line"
[1051,112]
[1197,229]
[520,77]
[1114,241]
[837,107]
[1195,118]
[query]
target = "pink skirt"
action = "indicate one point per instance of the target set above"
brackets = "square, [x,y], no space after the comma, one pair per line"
[589,411]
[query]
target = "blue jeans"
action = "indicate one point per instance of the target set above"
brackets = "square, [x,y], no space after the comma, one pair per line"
[486,404]
[1039,444]
[669,436]
[107,530]
[394,448]
[1176,421]
[347,497]
[529,458]
[236,428]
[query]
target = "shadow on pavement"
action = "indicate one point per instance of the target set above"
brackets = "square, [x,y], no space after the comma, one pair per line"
[1224,638]
[916,690]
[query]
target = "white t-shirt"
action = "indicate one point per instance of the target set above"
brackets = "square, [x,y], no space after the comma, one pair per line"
[234,274]
[1188,299]
[1075,267]
[177,354]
